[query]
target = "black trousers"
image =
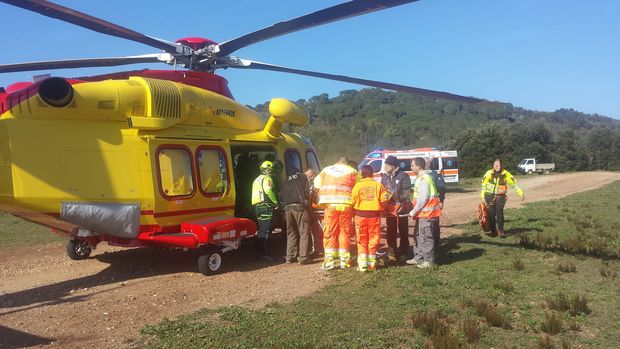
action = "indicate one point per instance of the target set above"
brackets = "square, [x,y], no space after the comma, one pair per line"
[495,208]
[397,227]
[264,215]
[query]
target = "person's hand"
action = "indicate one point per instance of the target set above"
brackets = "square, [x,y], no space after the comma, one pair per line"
[412,214]
[521,194]
[441,205]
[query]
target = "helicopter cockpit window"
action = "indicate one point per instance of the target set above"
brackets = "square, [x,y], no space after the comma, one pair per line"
[212,170]
[292,161]
[175,172]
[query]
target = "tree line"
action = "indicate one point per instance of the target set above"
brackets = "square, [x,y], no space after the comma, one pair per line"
[357,122]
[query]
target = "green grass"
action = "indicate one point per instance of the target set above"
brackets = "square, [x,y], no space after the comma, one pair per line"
[18,232]
[585,223]
[475,298]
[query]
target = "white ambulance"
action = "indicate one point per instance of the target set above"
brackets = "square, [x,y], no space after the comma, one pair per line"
[442,161]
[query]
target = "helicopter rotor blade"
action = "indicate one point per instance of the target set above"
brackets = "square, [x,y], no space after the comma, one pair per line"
[66,14]
[327,15]
[248,64]
[85,62]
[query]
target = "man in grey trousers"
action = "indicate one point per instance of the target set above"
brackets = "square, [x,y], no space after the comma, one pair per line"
[296,201]
[426,212]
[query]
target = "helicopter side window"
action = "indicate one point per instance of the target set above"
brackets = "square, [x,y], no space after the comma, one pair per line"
[175,172]
[212,170]
[312,161]
[292,161]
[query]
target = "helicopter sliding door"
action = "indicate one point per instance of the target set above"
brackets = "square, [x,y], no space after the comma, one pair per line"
[247,158]
[192,180]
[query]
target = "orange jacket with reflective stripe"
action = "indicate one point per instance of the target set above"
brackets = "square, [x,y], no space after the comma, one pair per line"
[431,208]
[335,184]
[369,195]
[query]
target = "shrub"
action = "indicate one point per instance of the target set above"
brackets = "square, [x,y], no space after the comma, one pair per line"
[471,330]
[607,272]
[574,326]
[480,306]
[504,286]
[559,303]
[496,319]
[544,342]
[577,305]
[517,264]
[567,268]
[564,344]
[430,323]
[446,341]
[552,324]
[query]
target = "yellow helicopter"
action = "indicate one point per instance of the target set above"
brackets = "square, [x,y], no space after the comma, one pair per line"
[153,157]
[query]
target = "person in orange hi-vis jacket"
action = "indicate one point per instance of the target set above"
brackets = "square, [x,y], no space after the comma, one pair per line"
[334,185]
[369,197]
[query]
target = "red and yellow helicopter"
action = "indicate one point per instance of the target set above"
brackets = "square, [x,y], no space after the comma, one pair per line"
[153,157]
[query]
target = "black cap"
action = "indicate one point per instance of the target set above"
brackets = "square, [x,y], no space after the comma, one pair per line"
[392,161]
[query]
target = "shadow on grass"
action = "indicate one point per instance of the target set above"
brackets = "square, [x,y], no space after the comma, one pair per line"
[516,231]
[450,249]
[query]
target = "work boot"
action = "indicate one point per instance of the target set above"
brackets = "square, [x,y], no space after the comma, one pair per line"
[328,264]
[412,261]
[345,263]
[425,265]
[501,234]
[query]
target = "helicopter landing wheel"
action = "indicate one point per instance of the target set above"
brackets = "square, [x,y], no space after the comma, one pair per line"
[211,263]
[78,249]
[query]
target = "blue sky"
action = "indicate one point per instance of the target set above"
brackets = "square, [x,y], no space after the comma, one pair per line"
[541,55]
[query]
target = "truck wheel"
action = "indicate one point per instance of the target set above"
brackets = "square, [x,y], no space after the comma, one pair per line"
[529,172]
[211,263]
[546,172]
[78,249]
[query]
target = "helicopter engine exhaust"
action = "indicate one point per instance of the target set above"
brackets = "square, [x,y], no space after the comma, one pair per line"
[284,111]
[56,92]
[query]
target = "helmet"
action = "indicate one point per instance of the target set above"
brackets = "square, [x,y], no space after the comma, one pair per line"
[266,165]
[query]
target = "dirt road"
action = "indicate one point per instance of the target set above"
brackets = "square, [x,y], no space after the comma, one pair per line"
[48,300]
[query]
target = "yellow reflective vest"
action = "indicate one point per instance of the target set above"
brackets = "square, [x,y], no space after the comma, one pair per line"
[497,184]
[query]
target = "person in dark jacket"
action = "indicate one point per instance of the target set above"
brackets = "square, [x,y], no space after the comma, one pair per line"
[398,184]
[296,201]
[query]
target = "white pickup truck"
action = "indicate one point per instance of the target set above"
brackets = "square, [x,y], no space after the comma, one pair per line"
[530,166]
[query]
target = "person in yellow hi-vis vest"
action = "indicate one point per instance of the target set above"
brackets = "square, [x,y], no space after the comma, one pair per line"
[264,200]
[334,185]
[494,188]
[426,212]
[369,198]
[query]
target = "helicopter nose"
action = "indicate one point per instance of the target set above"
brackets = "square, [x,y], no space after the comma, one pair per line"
[56,92]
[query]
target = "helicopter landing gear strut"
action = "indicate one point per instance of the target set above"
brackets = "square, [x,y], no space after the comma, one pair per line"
[78,249]
[213,261]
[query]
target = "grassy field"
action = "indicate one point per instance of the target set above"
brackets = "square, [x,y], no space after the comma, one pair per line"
[485,292]
[18,232]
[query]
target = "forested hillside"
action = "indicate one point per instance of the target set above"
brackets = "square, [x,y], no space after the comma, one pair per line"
[356,122]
